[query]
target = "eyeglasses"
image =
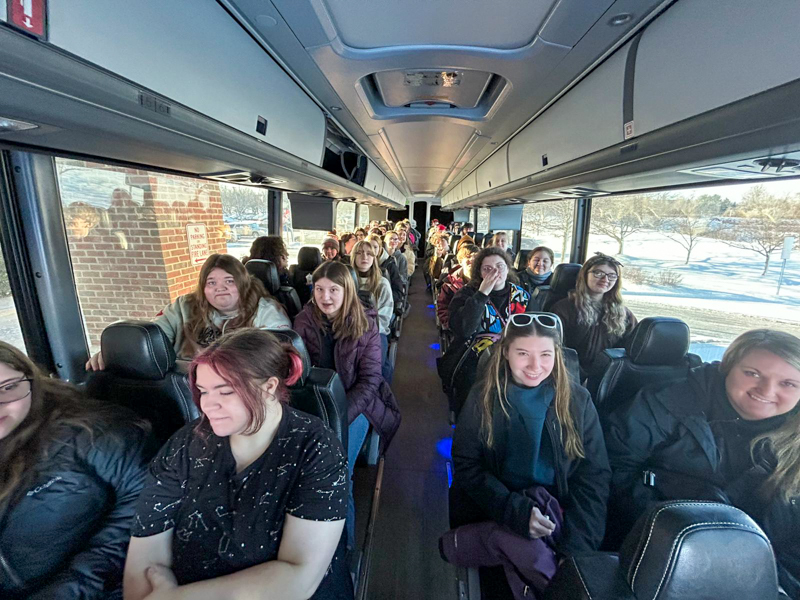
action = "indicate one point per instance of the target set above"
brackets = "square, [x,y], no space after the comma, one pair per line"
[525,319]
[14,391]
[603,275]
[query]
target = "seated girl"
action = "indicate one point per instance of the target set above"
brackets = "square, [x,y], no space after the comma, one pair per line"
[226,298]
[340,335]
[71,470]
[531,473]
[388,265]
[728,434]
[594,316]
[248,501]
[407,248]
[539,270]
[454,281]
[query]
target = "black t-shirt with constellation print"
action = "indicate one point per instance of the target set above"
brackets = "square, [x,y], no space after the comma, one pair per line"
[225,521]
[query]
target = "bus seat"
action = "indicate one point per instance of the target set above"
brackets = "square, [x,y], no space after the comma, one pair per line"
[266,272]
[363,295]
[454,239]
[677,550]
[318,392]
[565,276]
[140,375]
[308,259]
[478,237]
[521,260]
[656,353]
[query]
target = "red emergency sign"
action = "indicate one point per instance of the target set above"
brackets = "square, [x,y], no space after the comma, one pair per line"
[29,15]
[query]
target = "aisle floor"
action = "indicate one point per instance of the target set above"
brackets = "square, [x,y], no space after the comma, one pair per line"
[413,508]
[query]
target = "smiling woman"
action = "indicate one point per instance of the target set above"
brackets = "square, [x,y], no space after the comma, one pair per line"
[727,434]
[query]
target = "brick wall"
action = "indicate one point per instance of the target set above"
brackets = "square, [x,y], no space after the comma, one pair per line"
[131,258]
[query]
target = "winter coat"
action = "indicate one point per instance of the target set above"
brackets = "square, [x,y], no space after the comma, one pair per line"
[384,303]
[473,312]
[402,265]
[411,259]
[270,315]
[66,537]
[582,485]
[452,283]
[528,283]
[358,363]
[589,341]
[389,266]
[676,437]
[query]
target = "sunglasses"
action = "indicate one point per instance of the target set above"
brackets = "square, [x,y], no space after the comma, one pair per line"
[525,319]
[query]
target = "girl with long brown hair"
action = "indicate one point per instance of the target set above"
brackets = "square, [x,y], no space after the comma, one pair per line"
[70,472]
[729,433]
[340,334]
[594,316]
[227,297]
[527,449]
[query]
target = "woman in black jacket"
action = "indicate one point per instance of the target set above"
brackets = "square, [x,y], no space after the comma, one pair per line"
[69,479]
[524,428]
[728,434]
[539,270]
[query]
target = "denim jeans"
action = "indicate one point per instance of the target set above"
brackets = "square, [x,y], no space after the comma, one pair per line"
[356,434]
[387,370]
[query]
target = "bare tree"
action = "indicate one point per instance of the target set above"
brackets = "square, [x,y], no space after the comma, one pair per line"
[686,220]
[559,217]
[240,202]
[760,222]
[619,218]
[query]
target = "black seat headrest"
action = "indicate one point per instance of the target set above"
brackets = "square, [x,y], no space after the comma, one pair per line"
[266,272]
[565,276]
[137,350]
[658,341]
[684,549]
[293,338]
[478,237]
[309,258]
[521,260]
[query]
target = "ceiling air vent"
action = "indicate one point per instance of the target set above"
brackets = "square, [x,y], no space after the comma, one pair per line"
[786,165]
[575,192]
[246,178]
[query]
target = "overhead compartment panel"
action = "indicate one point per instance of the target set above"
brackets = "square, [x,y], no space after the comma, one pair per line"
[586,119]
[195,55]
[374,179]
[699,56]
[494,172]
[469,185]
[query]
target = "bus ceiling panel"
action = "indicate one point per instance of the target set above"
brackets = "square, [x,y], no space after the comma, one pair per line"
[699,56]
[201,58]
[505,24]
[85,111]
[763,129]
[586,119]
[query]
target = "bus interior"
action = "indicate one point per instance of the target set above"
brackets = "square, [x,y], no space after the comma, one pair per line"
[136,138]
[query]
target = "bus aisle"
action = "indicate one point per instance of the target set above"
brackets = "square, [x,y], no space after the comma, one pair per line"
[412,515]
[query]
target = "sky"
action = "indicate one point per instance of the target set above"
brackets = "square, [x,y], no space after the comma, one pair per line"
[734,193]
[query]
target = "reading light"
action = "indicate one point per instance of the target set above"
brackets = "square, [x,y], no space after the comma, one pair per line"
[12,125]
[620,19]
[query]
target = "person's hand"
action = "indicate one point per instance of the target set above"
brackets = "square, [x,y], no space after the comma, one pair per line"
[163,582]
[540,525]
[95,363]
[489,281]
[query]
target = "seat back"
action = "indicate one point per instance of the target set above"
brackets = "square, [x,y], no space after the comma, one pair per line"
[564,279]
[478,237]
[308,259]
[140,375]
[656,354]
[677,550]
[521,260]
[267,273]
[318,392]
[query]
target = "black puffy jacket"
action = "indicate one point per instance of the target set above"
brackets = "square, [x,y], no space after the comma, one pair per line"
[581,484]
[679,436]
[66,536]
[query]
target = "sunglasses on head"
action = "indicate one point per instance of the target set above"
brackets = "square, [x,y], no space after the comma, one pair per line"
[525,319]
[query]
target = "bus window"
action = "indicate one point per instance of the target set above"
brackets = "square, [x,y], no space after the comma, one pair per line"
[9,321]
[345,217]
[363,216]
[549,224]
[127,231]
[482,222]
[708,256]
